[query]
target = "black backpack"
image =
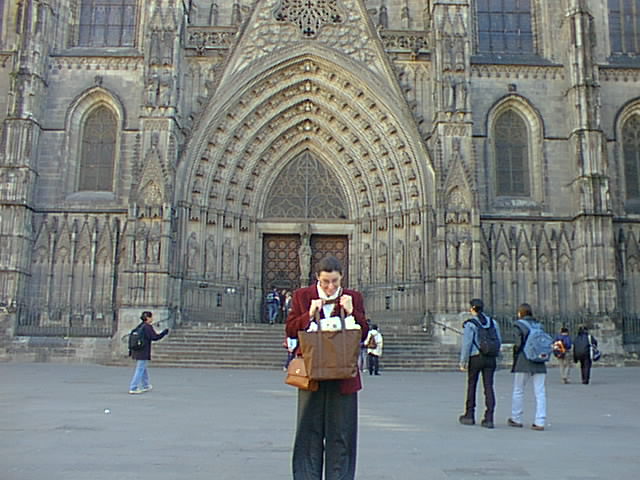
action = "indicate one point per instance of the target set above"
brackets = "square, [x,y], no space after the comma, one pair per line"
[137,339]
[581,346]
[488,342]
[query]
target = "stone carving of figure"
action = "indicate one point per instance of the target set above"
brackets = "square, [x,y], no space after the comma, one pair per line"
[465,248]
[416,257]
[366,263]
[382,262]
[141,244]
[213,14]
[236,14]
[304,254]
[227,257]
[383,17]
[243,260]
[167,48]
[461,90]
[210,255]
[152,88]
[155,43]
[426,15]
[452,245]
[153,247]
[458,54]
[165,90]
[398,260]
[192,252]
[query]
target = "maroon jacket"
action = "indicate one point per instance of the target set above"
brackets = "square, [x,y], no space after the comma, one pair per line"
[298,319]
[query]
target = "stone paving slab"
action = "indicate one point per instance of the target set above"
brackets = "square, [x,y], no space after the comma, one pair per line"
[238,425]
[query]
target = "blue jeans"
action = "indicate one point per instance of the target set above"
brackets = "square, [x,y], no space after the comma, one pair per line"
[273,311]
[140,376]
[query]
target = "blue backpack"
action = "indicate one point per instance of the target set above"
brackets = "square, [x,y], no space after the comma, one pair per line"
[538,346]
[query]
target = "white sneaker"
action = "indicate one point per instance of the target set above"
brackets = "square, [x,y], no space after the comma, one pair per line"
[135,392]
[146,389]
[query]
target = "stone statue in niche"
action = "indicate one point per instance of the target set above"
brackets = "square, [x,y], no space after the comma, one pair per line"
[141,244]
[192,252]
[381,267]
[167,47]
[165,90]
[155,42]
[465,248]
[452,246]
[213,14]
[416,257]
[210,255]
[227,257]
[304,254]
[243,260]
[398,260]
[366,263]
[152,88]
[153,247]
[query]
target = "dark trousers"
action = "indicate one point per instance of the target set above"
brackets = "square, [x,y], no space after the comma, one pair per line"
[327,434]
[487,366]
[373,364]
[585,367]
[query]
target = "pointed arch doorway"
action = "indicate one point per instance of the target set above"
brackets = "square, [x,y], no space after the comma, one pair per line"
[307,202]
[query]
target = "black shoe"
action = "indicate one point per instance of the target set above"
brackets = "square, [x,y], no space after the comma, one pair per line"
[464,420]
[487,424]
[539,428]
[512,423]
[377,373]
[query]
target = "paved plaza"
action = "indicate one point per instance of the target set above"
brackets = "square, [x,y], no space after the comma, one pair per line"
[77,422]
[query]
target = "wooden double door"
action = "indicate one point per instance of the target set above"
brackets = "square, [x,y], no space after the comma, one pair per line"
[281,265]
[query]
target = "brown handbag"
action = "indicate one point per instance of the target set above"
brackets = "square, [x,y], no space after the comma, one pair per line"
[330,355]
[297,376]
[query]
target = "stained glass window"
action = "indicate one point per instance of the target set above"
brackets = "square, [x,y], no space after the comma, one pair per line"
[107,23]
[624,26]
[511,156]
[631,148]
[98,151]
[504,26]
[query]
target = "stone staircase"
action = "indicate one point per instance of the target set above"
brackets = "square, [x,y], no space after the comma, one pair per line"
[260,346]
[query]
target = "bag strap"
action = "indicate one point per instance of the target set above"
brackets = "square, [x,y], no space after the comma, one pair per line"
[340,312]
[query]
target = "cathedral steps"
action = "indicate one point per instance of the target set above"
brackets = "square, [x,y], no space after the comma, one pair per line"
[261,346]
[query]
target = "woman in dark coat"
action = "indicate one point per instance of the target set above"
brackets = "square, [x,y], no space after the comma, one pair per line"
[582,346]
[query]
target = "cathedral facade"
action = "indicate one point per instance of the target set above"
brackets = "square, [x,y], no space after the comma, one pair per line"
[187,156]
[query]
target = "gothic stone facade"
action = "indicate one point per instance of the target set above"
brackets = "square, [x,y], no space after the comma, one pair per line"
[185,156]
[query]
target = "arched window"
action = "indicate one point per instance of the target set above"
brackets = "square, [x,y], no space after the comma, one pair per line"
[631,149]
[504,26]
[107,23]
[624,26]
[511,156]
[98,151]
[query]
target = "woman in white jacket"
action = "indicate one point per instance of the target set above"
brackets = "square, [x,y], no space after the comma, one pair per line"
[374,342]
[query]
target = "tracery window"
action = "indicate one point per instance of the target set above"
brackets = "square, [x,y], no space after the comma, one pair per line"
[504,26]
[624,26]
[631,149]
[308,15]
[98,151]
[511,156]
[107,23]
[306,189]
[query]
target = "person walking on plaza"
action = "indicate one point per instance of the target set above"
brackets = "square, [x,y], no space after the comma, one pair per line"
[562,350]
[480,348]
[373,343]
[327,422]
[582,346]
[140,380]
[524,370]
[273,305]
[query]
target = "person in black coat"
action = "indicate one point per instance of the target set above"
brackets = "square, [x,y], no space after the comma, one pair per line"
[140,380]
[582,346]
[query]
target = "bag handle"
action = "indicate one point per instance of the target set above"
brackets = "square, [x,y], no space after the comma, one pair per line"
[340,312]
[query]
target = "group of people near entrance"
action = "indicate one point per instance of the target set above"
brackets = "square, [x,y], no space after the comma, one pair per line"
[477,360]
[327,418]
[278,304]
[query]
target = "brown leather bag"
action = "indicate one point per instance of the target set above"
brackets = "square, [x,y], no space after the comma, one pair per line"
[297,376]
[330,355]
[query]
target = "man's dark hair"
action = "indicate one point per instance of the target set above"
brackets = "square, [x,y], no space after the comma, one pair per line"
[564,330]
[524,310]
[329,264]
[374,326]
[477,305]
[145,315]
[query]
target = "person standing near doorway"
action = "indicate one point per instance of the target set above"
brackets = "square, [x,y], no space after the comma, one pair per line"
[273,305]
[140,380]
[478,355]
[327,422]
[374,350]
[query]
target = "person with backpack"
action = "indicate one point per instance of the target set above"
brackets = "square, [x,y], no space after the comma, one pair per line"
[561,350]
[531,349]
[373,342]
[583,345]
[273,305]
[480,349]
[140,340]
